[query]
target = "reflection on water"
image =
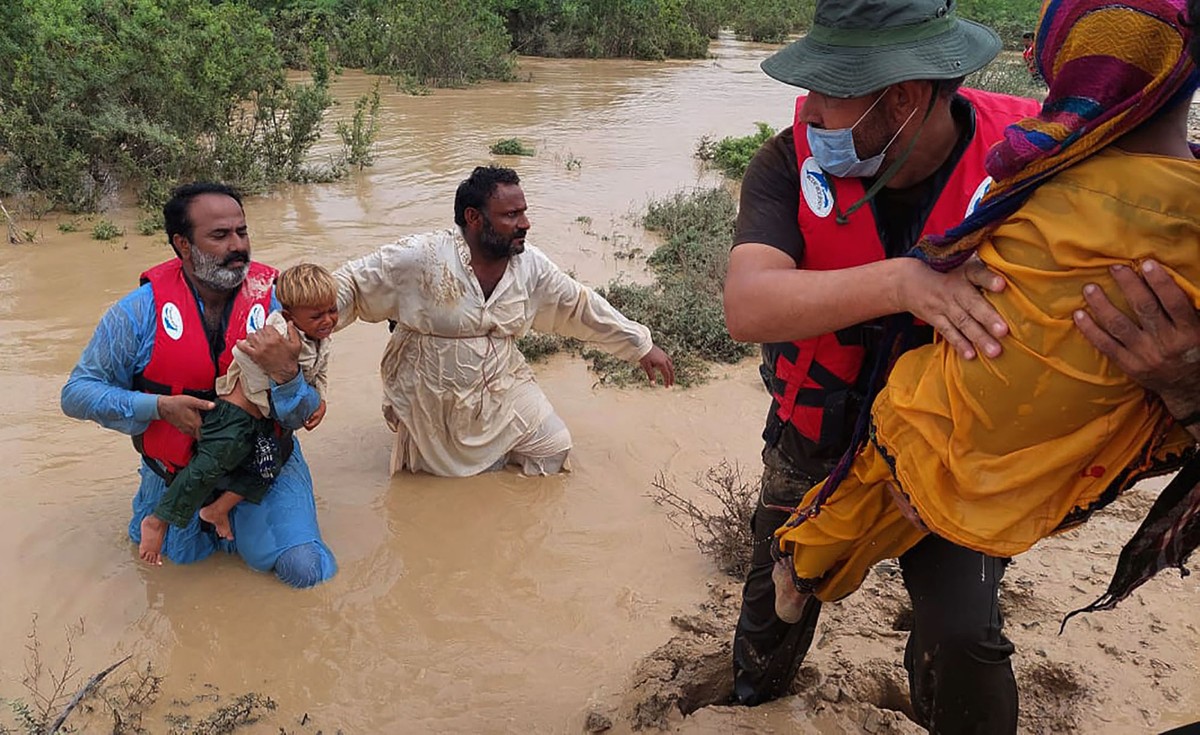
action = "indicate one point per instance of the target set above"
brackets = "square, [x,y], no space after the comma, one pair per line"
[494,604]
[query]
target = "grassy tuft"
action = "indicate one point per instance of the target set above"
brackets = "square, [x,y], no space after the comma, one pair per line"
[510,147]
[1007,75]
[106,230]
[732,154]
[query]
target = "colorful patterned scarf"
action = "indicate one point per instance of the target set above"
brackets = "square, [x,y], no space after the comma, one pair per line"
[1111,66]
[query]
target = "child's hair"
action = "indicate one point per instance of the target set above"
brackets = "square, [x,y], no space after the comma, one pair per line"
[306,284]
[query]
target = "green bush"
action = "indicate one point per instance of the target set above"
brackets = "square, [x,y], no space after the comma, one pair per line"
[641,29]
[1007,75]
[510,147]
[106,230]
[708,16]
[683,306]
[358,136]
[447,43]
[1009,18]
[732,154]
[771,21]
[100,94]
[150,224]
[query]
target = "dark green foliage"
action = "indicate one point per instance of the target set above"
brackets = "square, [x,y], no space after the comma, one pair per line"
[510,147]
[1009,18]
[447,43]
[771,21]
[732,154]
[104,93]
[708,16]
[641,29]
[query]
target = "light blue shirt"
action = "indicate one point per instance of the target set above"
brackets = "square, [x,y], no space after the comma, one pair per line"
[100,388]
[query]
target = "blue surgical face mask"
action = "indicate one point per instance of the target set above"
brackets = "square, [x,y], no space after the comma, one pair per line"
[835,153]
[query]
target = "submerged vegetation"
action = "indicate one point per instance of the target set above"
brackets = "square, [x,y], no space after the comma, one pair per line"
[510,147]
[682,306]
[720,522]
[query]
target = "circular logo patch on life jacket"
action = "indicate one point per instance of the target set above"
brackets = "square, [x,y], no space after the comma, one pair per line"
[984,186]
[814,183]
[258,317]
[172,320]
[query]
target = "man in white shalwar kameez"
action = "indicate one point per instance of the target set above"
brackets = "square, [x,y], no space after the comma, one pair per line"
[456,390]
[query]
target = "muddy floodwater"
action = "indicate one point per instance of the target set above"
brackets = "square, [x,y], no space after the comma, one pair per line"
[495,604]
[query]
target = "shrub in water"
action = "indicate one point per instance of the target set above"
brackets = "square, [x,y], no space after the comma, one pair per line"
[732,154]
[106,230]
[510,147]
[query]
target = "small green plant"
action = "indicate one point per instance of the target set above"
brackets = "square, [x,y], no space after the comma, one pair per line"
[573,163]
[510,147]
[106,230]
[69,226]
[358,136]
[149,225]
[583,219]
[732,154]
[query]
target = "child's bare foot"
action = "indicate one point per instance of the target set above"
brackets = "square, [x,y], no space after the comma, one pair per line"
[789,601]
[218,518]
[154,531]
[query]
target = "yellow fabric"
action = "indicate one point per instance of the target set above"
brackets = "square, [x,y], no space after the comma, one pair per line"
[830,546]
[993,454]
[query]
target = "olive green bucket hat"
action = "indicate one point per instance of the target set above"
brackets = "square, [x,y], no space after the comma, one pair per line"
[856,47]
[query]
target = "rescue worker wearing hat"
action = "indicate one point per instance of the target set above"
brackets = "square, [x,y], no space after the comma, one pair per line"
[885,147]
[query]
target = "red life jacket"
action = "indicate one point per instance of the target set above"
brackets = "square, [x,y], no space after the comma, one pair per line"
[814,377]
[182,360]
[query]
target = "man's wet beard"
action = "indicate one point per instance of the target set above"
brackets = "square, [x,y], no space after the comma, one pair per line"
[497,247]
[216,272]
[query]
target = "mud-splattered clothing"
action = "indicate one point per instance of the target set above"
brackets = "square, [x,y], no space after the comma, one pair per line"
[256,386]
[456,390]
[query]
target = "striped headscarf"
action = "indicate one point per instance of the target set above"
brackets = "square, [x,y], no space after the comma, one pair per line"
[1111,66]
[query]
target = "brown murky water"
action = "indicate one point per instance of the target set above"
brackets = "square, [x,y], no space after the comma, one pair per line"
[496,604]
[492,604]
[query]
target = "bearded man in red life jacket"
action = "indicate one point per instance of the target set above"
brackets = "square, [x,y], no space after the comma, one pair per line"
[151,367]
